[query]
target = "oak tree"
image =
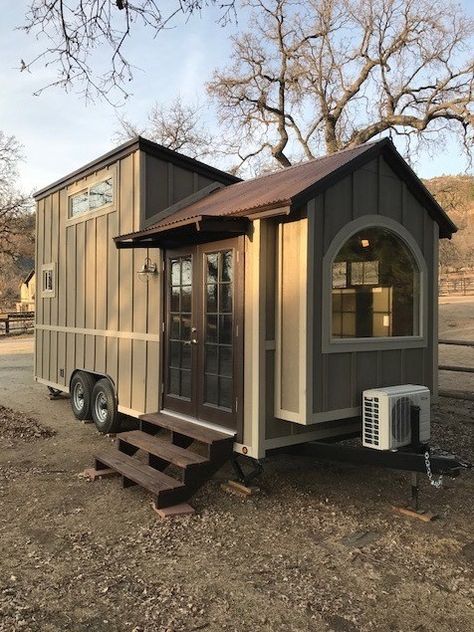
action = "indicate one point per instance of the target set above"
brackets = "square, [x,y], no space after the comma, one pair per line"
[316,76]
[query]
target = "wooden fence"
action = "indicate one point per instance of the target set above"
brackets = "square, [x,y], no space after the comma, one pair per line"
[457,283]
[17,323]
[456,394]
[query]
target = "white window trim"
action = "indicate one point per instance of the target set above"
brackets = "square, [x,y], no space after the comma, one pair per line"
[80,187]
[48,267]
[335,345]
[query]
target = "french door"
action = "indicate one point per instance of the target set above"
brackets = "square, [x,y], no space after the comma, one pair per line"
[203,356]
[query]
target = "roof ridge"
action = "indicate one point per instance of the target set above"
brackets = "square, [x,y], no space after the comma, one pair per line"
[310,161]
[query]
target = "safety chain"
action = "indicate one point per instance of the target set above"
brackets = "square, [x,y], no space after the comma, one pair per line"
[435,482]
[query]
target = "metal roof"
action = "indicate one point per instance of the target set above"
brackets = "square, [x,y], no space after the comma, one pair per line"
[292,187]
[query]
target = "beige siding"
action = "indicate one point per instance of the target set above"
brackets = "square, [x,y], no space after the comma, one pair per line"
[102,318]
[290,400]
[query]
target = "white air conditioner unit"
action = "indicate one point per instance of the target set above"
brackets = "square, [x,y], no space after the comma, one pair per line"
[386,422]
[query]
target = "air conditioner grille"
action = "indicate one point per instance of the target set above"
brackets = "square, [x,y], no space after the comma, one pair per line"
[400,418]
[371,421]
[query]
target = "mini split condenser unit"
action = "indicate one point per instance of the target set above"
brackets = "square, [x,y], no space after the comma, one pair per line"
[386,416]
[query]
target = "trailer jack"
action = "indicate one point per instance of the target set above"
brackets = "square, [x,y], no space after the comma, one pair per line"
[246,478]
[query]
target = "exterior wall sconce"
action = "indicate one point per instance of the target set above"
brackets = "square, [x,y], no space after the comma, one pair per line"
[148,270]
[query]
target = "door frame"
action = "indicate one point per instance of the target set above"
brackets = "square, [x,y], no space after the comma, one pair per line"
[197,409]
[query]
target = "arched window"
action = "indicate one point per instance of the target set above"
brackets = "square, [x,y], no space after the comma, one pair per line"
[375,287]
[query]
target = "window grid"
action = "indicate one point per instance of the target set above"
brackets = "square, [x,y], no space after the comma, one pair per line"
[179,349]
[218,327]
[91,198]
[375,287]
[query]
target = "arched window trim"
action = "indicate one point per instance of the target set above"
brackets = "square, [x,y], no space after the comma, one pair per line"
[332,345]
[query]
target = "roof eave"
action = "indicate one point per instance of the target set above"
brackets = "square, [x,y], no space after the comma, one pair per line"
[200,226]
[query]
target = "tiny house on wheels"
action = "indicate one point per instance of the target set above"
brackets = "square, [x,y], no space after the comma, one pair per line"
[247,315]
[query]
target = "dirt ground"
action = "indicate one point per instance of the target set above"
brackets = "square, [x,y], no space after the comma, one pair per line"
[456,321]
[319,548]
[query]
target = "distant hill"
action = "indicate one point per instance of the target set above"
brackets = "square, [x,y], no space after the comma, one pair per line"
[456,195]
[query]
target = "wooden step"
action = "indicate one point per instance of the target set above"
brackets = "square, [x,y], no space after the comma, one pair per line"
[187,428]
[168,490]
[162,449]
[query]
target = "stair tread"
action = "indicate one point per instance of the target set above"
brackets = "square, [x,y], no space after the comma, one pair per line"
[163,449]
[138,472]
[188,428]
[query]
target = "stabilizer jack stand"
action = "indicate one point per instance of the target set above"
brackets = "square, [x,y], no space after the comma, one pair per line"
[254,473]
[54,393]
[415,491]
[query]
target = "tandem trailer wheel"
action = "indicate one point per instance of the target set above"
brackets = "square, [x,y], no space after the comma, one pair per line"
[82,385]
[104,407]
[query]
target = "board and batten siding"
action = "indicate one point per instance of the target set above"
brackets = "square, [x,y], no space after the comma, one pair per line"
[338,378]
[102,317]
[165,184]
[334,381]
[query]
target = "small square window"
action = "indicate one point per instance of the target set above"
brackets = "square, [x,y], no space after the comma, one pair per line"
[48,289]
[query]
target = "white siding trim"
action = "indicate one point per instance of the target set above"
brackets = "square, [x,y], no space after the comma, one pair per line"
[59,387]
[108,333]
[304,437]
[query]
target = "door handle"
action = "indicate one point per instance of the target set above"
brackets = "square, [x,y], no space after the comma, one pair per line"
[193,341]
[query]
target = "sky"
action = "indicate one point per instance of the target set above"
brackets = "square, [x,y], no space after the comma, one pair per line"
[60,132]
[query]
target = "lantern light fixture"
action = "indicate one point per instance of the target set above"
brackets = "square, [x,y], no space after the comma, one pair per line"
[148,270]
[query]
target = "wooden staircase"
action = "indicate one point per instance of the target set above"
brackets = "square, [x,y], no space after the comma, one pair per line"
[172,472]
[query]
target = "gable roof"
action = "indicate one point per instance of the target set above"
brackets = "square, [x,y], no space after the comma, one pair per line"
[290,188]
[127,148]
[27,279]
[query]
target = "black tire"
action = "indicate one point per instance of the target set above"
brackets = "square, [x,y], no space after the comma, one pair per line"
[82,385]
[104,407]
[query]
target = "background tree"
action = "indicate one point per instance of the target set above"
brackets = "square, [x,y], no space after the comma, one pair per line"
[16,222]
[178,127]
[71,34]
[456,196]
[318,76]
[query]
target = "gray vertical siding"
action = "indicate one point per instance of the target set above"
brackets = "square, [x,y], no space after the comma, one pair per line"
[339,378]
[166,184]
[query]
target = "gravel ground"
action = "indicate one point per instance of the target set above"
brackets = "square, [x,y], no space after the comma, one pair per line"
[319,549]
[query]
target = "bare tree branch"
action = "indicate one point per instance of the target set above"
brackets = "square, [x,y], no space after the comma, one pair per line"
[178,127]
[323,75]
[76,35]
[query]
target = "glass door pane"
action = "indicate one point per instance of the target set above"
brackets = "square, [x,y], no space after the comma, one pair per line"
[179,327]
[218,329]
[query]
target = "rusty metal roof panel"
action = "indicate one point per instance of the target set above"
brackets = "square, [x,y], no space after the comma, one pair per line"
[270,190]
